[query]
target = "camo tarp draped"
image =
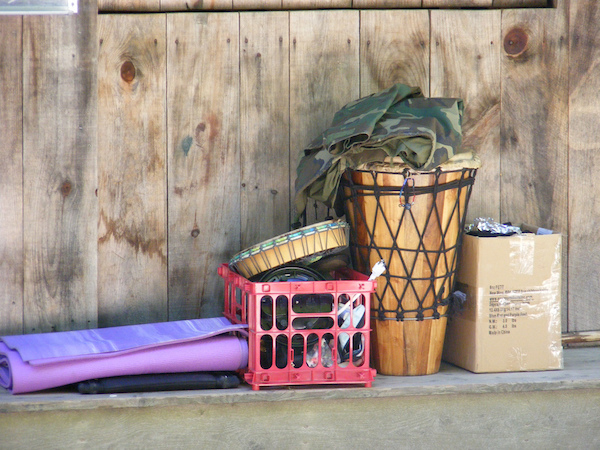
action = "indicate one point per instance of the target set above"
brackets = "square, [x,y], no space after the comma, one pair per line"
[396,122]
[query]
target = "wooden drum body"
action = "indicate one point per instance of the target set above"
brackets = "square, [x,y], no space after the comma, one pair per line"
[413,221]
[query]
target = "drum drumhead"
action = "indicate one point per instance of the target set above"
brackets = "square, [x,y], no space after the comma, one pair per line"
[297,245]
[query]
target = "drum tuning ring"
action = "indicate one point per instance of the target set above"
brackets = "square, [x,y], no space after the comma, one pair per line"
[409,199]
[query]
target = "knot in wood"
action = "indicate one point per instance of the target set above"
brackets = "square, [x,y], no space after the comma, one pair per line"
[127,71]
[65,189]
[515,42]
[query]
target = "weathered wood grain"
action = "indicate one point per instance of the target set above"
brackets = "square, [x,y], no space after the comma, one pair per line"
[204,159]
[11,181]
[241,5]
[129,5]
[273,5]
[581,339]
[534,117]
[59,170]
[584,160]
[195,5]
[132,241]
[264,126]
[324,76]
[521,3]
[465,63]
[58,260]
[362,4]
[534,123]
[394,49]
[457,3]
[315,4]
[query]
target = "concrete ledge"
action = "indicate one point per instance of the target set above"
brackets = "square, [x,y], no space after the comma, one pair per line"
[581,371]
[451,409]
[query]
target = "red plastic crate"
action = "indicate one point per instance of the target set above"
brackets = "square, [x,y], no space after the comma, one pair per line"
[304,332]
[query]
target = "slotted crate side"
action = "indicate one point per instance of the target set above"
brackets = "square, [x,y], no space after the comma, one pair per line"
[237,290]
[293,347]
[244,299]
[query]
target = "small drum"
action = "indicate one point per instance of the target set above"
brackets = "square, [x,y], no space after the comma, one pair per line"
[413,221]
[297,245]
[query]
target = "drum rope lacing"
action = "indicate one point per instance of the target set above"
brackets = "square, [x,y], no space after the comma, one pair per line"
[433,257]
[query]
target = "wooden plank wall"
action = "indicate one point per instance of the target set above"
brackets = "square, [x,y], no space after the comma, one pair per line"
[200,121]
[583,158]
[264,124]
[203,157]
[324,74]
[11,181]
[48,230]
[132,240]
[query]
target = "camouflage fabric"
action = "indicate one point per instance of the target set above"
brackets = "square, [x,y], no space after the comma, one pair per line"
[399,121]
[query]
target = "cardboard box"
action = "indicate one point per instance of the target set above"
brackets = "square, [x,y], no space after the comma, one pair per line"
[510,320]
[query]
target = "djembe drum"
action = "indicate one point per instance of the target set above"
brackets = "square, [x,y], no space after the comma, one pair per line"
[413,221]
[302,244]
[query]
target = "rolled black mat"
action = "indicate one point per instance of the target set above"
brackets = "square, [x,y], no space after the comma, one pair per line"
[160,382]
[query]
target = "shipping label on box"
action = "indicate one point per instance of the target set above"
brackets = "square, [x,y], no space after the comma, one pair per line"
[510,320]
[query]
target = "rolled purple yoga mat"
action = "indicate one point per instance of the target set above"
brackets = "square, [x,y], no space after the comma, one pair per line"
[170,347]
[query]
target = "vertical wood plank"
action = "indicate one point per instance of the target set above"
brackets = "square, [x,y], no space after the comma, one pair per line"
[465,63]
[534,123]
[394,49]
[59,161]
[132,247]
[584,160]
[264,125]
[534,117]
[204,159]
[11,181]
[324,76]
